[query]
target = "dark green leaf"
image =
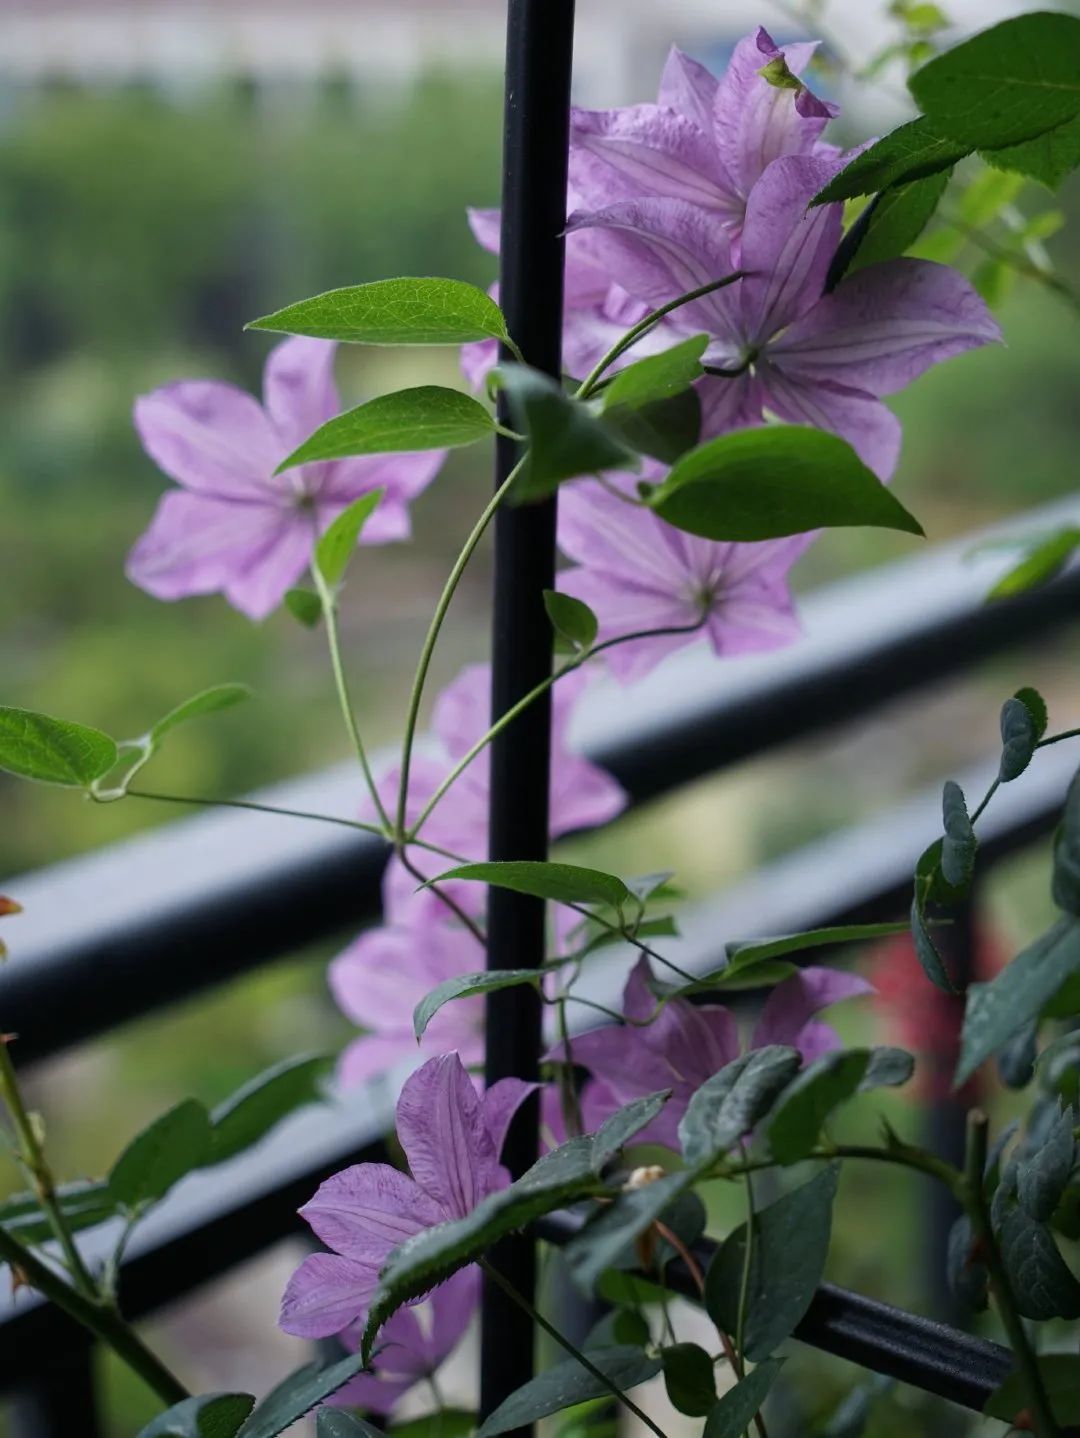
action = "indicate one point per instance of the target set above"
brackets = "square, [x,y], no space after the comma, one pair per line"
[464,986]
[665,430]
[211,1415]
[728,1105]
[888,1068]
[959,844]
[931,885]
[299,1394]
[853,1412]
[912,152]
[1059,1066]
[337,545]
[1042,1285]
[249,1114]
[607,1240]
[1007,84]
[83,1204]
[393,312]
[997,1010]
[620,1127]
[333,1423]
[1042,561]
[1050,158]
[810,1098]
[210,701]
[756,951]
[566,440]
[738,1407]
[1041,1179]
[427,417]
[926,951]
[656,377]
[1016,1061]
[161,1155]
[304,606]
[1036,705]
[571,619]
[791,1244]
[568,1383]
[891,224]
[781,479]
[1065,886]
[689,1378]
[53,751]
[561,883]
[443,1423]
[1060,1373]
[968,1278]
[1018,739]
[618,1287]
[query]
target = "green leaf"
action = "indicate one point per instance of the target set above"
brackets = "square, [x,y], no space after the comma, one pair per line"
[443,1423]
[607,1240]
[778,480]
[1060,1373]
[1007,84]
[299,1394]
[791,1245]
[571,619]
[620,1127]
[1050,158]
[1042,1178]
[810,1098]
[53,751]
[568,1383]
[393,312]
[888,1068]
[337,545]
[252,1111]
[630,1288]
[689,1378]
[427,417]
[84,1204]
[1042,1285]
[211,1415]
[983,200]
[333,1423]
[161,1155]
[931,885]
[1019,739]
[1065,886]
[657,377]
[566,440]
[557,1178]
[959,844]
[1042,561]
[304,606]
[464,986]
[561,883]
[664,430]
[995,1011]
[736,1410]
[744,955]
[912,152]
[731,1102]
[210,701]
[890,224]
[1036,704]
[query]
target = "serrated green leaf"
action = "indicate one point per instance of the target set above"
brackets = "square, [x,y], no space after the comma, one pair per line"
[463,986]
[607,1240]
[738,1407]
[889,226]
[806,1103]
[959,844]
[730,1103]
[569,1383]
[1049,158]
[745,955]
[304,606]
[1041,563]
[664,430]
[336,546]
[624,1124]
[657,377]
[566,440]
[430,416]
[1036,706]
[173,1145]
[53,751]
[909,153]
[334,1423]
[1060,1373]
[689,1378]
[791,1245]
[571,619]
[210,701]
[1005,85]
[410,311]
[1042,1285]
[210,1415]
[561,883]
[299,1394]
[765,483]
[83,1204]
[1018,739]
[1042,1177]
[252,1111]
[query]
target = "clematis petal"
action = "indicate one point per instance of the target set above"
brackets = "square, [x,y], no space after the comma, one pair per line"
[688,87]
[260,587]
[486,226]
[325,1295]
[884,325]
[440,1125]
[500,1103]
[620,610]
[365,1211]
[212,438]
[618,1055]
[870,428]
[644,150]
[371,1056]
[795,1001]
[299,392]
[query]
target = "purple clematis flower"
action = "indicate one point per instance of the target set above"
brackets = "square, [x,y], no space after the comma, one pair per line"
[452,1138]
[807,357]
[638,573]
[234,526]
[688,1043]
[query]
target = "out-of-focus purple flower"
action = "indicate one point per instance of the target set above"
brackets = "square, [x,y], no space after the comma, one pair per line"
[639,573]
[687,1043]
[381,977]
[808,357]
[234,526]
[452,1138]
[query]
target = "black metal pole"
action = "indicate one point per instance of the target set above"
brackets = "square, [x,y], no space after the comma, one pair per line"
[539,57]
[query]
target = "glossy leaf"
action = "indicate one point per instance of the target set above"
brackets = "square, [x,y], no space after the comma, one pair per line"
[304,606]
[172,1146]
[566,440]
[1007,84]
[912,152]
[1060,1373]
[736,1410]
[889,225]
[334,1423]
[1042,561]
[84,1205]
[252,1111]
[464,986]
[744,955]
[1049,158]
[53,751]
[778,480]
[568,1383]
[665,430]
[658,376]
[689,1378]
[1041,1178]
[411,311]
[427,417]
[807,1102]
[336,546]
[1019,739]
[572,620]
[959,844]
[791,1245]
[210,701]
[730,1103]
[299,1394]
[561,883]
[1042,1285]
[211,1415]
[624,1124]
[608,1239]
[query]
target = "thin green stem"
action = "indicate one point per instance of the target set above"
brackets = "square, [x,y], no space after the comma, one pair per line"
[986,800]
[631,337]
[552,1332]
[101,1319]
[571,1105]
[1057,738]
[913,1158]
[250,804]
[452,904]
[32,1155]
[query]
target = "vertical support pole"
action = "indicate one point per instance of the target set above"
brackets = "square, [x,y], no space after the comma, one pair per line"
[60,1400]
[539,58]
